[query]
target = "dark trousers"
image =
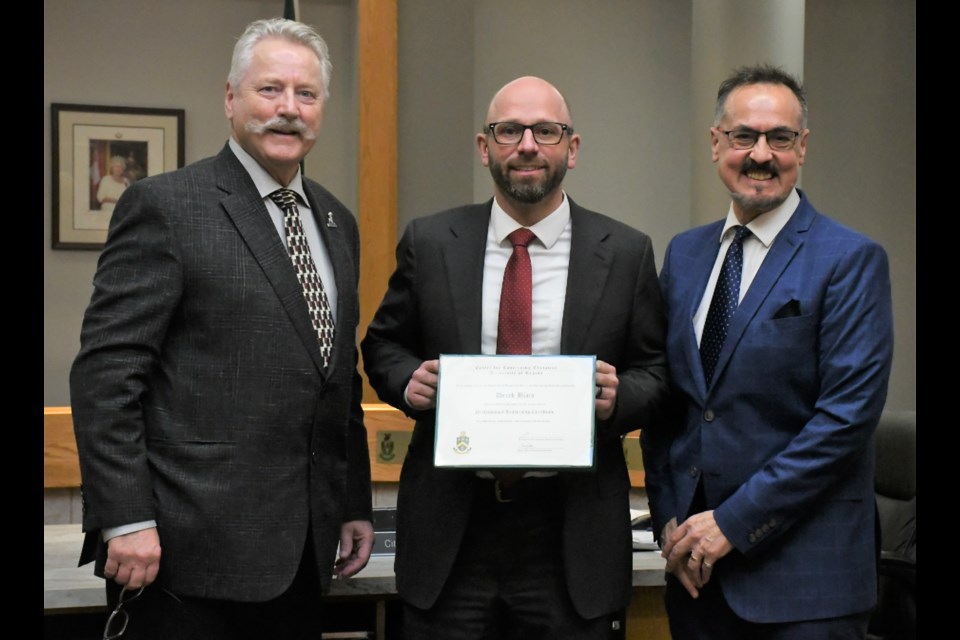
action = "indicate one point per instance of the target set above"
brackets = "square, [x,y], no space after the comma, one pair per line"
[159,614]
[508,581]
[709,617]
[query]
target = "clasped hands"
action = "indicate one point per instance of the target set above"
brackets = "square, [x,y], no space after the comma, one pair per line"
[693,548]
[421,392]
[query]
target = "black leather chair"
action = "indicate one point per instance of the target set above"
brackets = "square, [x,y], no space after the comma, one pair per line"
[895,617]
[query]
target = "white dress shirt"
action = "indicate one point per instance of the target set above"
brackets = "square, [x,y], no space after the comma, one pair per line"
[549,261]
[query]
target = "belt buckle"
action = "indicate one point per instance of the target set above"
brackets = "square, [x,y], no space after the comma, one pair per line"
[498,493]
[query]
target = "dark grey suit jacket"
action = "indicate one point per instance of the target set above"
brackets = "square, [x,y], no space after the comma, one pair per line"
[433,306]
[198,395]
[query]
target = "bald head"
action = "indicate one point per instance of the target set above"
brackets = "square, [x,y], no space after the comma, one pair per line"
[539,100]
[535,148]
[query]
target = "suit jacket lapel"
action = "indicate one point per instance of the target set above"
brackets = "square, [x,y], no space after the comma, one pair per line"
[589,266]
[245,207]
[705,257]
[781,253]
[463,254]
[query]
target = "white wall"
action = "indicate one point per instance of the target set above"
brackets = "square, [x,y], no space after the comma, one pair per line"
[435,105]
[861,167]
[624,67]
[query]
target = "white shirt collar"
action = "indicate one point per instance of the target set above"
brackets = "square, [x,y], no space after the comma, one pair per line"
[547,230]
[767,225]
[261,179]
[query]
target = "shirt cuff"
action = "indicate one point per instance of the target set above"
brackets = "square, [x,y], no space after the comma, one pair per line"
[113,532]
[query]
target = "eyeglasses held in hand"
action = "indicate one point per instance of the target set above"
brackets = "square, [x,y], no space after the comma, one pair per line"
[780,139]
[543,132]
[119,617]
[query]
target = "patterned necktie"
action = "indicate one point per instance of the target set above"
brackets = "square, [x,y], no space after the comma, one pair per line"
[514,331]
[306,270]
[726,297]
[515,327]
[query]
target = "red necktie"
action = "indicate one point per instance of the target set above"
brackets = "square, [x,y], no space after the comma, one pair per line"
[514,331]
[515,328]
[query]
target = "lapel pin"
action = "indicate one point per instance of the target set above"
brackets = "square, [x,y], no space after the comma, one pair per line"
[330,222]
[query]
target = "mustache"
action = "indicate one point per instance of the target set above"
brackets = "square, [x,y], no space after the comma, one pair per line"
[750,164]
[286,125]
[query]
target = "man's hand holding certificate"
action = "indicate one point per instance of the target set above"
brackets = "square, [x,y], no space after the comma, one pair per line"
[515,411]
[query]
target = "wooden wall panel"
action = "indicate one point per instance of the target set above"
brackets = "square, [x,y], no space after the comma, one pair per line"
[377,214]
[61,468]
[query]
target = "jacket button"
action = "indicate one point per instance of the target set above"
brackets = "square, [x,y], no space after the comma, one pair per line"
[708,415]
[313,457]
[694,471]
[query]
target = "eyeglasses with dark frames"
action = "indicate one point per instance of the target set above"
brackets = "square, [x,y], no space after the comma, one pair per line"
[119,617]
[548,133]
[779,139]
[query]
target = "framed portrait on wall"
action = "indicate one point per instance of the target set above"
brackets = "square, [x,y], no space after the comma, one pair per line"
[98,152]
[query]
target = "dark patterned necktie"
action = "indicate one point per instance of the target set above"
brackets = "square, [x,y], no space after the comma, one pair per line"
[515,327]
[306,269]
[726,297]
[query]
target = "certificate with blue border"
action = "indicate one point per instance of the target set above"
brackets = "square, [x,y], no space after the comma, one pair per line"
[524,412]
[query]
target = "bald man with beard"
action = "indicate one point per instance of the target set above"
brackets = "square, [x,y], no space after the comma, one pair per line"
[486,554]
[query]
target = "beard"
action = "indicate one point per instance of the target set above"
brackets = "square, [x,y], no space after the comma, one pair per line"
[758,204]
[526,191]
